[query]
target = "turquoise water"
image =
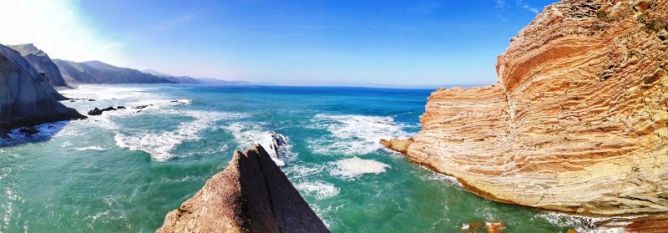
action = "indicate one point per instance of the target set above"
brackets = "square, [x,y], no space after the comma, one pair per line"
[124,170]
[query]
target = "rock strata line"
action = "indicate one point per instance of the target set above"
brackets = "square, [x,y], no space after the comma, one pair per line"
[576,122]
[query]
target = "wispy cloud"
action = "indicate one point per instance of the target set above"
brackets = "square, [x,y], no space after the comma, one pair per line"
[172,23]
[527,7]
[500,3]
[531,9]
[56,27]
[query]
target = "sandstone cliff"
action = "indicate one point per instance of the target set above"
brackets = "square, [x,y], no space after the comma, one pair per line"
[41,62]
[26,96]
[576,122]
[251,195]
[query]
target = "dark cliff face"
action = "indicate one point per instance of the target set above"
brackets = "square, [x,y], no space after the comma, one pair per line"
[26,95]
[95,72]
[41,62]
[251,195]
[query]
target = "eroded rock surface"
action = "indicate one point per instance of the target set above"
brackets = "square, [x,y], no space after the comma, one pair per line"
[251,195]
[577,121]
[26,95]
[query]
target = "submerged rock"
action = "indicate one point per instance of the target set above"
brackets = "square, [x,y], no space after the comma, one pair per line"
[251,195]
[26,96]
[577,122]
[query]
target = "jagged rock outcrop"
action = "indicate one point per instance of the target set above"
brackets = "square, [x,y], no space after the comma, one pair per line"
[251,195]
[26,96]
[96,72]
[41,62]
[577,121]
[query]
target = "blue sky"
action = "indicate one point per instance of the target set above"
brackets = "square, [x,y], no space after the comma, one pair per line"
[344,42]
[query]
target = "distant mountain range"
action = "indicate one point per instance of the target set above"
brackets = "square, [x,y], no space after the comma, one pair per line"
[69,73]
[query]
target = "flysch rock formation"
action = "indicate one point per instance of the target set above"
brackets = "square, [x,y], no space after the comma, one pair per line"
[576,122]
[41,62]
[26,95]
[251,195]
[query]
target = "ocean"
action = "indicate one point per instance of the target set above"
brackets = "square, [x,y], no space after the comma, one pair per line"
[124,170]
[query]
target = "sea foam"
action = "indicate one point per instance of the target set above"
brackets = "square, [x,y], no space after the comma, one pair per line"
[160,145]
[320,189]
[353,134]
[246,134]
[353,167]
[91,148]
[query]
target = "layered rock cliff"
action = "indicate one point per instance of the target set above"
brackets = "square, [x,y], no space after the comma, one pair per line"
[41,62]
[251,195]
[26,95]
[576,122]
[101,73]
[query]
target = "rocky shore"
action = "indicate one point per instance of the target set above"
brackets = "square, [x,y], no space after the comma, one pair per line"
[26,95]
[576,122]
[251,195]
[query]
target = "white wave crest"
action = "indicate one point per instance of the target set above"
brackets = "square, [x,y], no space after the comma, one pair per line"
[299,171]
[91,148]
[108,92]
[160,145]
[580,223]
[321,190]
[354,134]
[248,134]
[354,167]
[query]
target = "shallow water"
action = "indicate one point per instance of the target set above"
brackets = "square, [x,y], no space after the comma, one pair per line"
[124,170]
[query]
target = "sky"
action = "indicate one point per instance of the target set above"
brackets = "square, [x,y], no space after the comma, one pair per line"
[299,42]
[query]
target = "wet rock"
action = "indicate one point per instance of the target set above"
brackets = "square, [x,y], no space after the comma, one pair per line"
[29,130]
[143,106]
[97,111]
[251,195]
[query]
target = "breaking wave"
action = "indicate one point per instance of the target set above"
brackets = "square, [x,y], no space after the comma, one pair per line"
[355,167]
[321,190]
[160,145]
[354,134]
[276,144]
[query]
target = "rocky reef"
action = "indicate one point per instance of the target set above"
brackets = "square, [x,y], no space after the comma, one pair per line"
[576,122]
[251,195]
[26,95]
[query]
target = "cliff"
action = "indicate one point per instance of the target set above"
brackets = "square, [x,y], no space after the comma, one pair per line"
[96,72]
[41,62]
[26,95]
[251,195]
[576,122]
